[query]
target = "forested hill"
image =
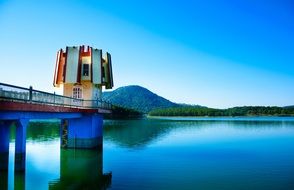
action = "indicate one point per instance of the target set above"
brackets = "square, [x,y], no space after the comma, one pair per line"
[143,100]
[236,111]
[137,98]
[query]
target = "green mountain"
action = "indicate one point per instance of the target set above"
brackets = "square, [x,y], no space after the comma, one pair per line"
[137,98]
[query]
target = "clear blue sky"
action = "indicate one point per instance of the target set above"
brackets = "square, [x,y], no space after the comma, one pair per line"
[214,53]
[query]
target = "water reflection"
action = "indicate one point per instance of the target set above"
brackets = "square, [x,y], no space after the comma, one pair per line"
[81,169]
[40,131]
[3,180]
[48,166]
[162,154]
[140,133]
[205,154]
[19,180]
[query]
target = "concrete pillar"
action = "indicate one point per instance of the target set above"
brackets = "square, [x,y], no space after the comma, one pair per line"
[20,144]
[84,132]
[63,133]
[4,145]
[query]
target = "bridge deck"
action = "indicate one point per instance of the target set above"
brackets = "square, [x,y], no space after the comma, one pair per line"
[21,106]
[14,98]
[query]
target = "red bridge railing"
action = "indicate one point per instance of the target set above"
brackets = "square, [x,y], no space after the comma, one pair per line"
[29,95]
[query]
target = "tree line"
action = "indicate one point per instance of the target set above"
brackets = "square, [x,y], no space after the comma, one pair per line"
[119,112]
[235,111]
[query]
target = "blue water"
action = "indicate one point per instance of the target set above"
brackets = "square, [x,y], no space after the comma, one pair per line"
[166,153]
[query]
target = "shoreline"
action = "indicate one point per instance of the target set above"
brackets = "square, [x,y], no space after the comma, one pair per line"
[206,116]
[222,118]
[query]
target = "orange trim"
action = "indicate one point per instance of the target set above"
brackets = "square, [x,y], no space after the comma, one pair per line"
[60,78]
[85,54]
[55,83]
[65,63]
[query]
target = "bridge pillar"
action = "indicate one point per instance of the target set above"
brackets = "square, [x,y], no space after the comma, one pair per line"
[4,144]
[84,132]
[20,144]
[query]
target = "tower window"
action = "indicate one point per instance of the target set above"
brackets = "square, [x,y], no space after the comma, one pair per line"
[77,92]
[103,72]
[85,69]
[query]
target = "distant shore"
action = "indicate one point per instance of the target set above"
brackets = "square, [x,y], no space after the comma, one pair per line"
[248,116]
[245,111]
[223,118]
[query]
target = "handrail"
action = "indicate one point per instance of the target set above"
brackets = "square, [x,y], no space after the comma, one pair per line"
[13,86]
[17,93]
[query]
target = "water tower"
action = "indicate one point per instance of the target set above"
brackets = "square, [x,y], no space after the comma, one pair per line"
[83,71]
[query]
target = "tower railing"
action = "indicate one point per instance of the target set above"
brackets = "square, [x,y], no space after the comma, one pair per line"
[30,95]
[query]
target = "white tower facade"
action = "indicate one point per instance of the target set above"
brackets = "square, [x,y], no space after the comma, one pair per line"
[83,71]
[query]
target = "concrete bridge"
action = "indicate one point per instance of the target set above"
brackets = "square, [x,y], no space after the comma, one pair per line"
[80,120]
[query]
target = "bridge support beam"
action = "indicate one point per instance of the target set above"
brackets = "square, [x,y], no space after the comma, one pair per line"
[4,144]
[20,144]
[84,132]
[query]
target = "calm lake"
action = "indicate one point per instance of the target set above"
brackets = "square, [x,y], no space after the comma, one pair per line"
[170,153]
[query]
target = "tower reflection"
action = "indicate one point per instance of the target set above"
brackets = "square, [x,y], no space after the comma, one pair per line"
[81,169]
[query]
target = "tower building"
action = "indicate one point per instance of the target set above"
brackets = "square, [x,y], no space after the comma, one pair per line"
[83,71]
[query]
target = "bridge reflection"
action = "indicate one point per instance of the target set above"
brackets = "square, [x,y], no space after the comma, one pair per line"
[3,180]
[19,179]
[84,168]
[81,169]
